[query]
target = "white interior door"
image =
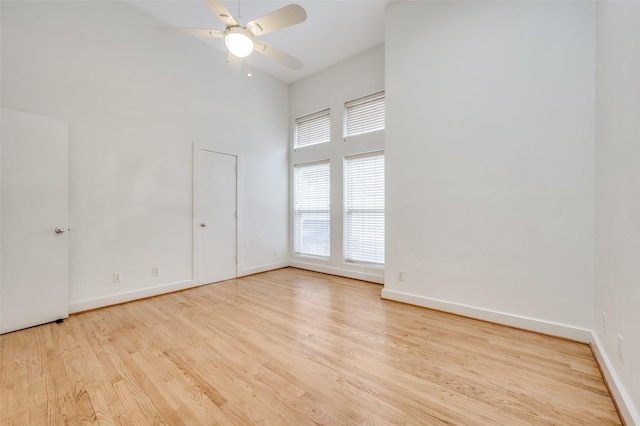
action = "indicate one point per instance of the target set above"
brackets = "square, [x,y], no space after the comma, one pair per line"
[34,283]
[216,216]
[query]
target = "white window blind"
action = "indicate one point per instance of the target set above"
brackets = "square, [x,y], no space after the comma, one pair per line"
[364,214]
[313,129]
[365,115]
[312,210]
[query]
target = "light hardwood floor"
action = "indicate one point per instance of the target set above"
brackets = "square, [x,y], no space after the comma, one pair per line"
[293,347]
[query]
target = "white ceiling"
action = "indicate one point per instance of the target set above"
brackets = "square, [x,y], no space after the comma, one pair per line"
[334,30]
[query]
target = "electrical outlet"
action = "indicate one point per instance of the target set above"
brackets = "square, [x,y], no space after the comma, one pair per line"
[620,340]
[400,274]
[604,322]
[155,271]
[117,277]
[275,253]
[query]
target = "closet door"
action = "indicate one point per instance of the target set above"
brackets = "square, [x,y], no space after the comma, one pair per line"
[215,219]
[34,285]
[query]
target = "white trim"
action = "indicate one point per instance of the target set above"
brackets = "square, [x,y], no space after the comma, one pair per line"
[347,209]
[312,195]
[195,251]
[364,127]
[263,268]
[316,120]
[129,296]
[144,293]
[625,404]
[526,323]
[364,276]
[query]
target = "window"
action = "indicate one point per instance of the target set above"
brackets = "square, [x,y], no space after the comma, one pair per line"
[364,115]
[364,213]
[312,129]
[312,211]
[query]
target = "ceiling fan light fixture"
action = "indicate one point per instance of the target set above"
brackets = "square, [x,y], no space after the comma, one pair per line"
[238,41]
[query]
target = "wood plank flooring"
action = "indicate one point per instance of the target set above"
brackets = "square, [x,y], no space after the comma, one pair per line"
[293,347]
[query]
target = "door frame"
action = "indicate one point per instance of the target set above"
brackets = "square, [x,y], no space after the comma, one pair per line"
[195,228]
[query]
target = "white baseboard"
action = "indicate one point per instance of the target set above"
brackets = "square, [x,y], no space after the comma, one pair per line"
[364,276]
[622,398]
[129,296]
[625,404]
[526,323]
[262,268]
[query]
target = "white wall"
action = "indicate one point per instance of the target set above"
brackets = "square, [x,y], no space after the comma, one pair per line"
[0,159]
[354,78]
[618,194]
[136,100]
[490,152]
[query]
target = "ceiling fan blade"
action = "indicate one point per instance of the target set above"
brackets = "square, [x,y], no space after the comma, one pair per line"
[281,18]
[221,12]
[194,32]
[277,55]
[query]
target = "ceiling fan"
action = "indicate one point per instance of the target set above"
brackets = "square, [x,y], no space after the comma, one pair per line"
[241,39]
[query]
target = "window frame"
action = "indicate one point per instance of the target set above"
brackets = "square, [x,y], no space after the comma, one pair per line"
[348,256]
[375,121]
[310,118]
[297,212]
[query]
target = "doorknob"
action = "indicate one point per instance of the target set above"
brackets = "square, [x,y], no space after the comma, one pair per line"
[204,225]
[59,230]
